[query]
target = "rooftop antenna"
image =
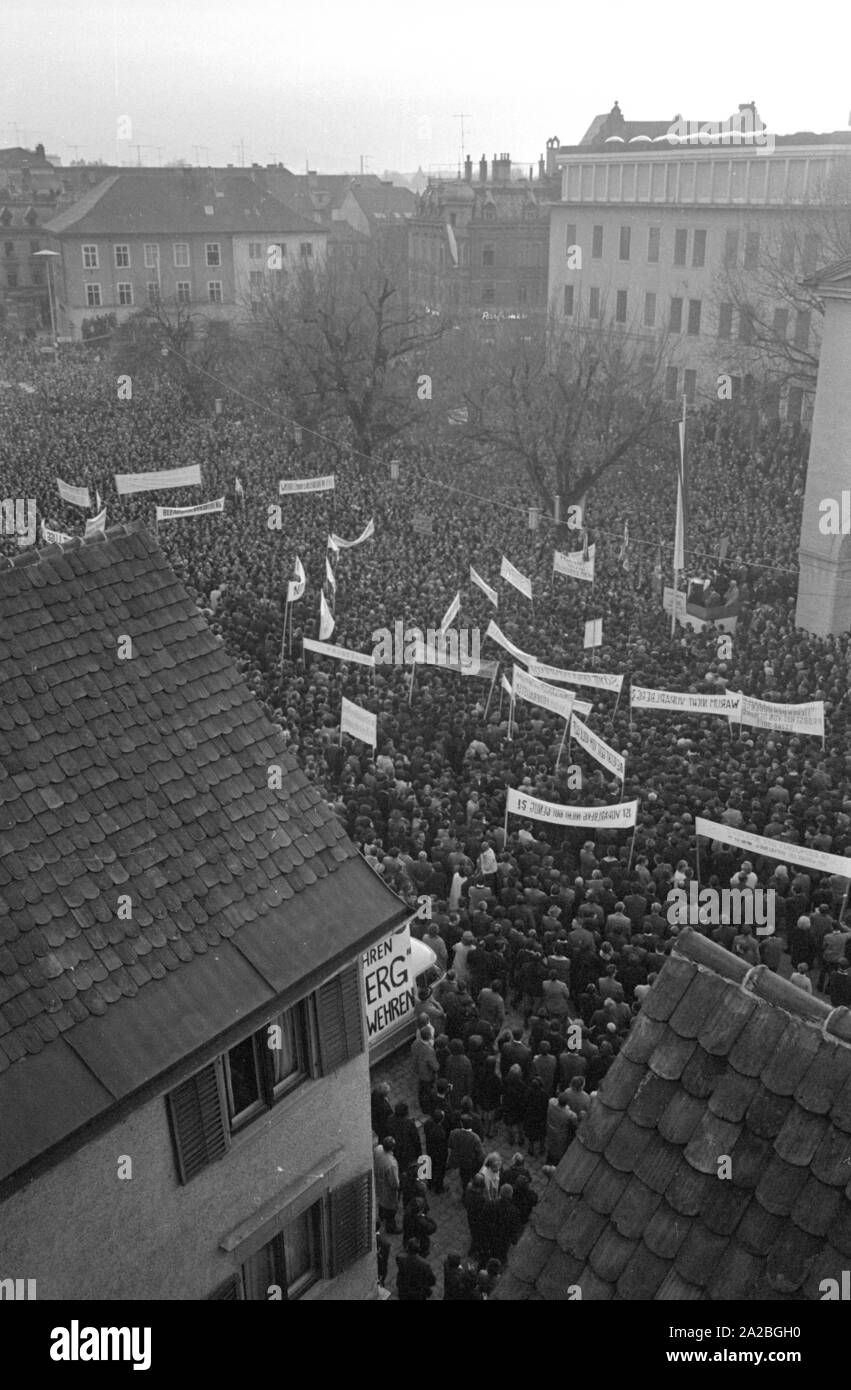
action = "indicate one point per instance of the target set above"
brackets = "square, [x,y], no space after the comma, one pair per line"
[462,116]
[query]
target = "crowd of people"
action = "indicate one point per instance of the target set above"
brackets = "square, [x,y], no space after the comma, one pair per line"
[549,938]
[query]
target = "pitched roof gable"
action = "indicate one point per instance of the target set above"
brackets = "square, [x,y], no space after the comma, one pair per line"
[721,1060]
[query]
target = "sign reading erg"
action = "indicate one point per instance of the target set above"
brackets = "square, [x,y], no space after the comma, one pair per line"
[388,984]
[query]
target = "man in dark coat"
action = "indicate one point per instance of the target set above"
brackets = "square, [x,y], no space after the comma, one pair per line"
[415,1277]
[437,1148]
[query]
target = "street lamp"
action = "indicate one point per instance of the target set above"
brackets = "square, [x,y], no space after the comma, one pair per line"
[50,290]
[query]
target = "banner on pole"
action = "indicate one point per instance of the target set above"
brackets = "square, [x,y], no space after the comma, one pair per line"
[326,618]
[162,479]
[593,633]
[598,749]
[512,575]
[337,544]
[486,589]
[622,815]
[506,685]
[576,565]
[451,613]
[202,509]
[668,602]
[297,586]
[96,523]
[77,496]
[794,719]
[287,486]
[642,698]
[535,692]
[496,635]
[338,653]
[802,855]
[359,723]
[329,574]
[422,523]
[598,680]
[53,537]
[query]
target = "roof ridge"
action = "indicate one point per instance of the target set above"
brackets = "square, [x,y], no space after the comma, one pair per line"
[33,555]
[834,1023]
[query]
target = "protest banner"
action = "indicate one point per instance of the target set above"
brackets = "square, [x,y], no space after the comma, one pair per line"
[337,544]
[536,692]
[575,565]
[287,486]
[451,613]
[689,703]
[359,723]
[593,633]
[623,815]
[781,850]
[794,719]
[76,496]
[128,483]
[297,586]
[389,984]
[496,635]
[338,653]
[202,509]
[512,575]
[598,680]
[53,537]
[95,523]
[600,750]
[485,588]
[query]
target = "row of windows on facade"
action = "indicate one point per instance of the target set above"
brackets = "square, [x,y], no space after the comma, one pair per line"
[9,248]
[311,1039]
[810,254]
[124,293]
[257,251]
[780,324]
[679,384]
[531,254]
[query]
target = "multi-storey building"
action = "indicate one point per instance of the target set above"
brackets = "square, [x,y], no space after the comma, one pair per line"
[481,246]
[186,236]
[29,194]
[183,1069]
[668,232]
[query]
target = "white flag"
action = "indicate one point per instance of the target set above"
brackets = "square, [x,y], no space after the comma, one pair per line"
[359,723]
[512,575]
[153,482]
[297,586]
[98,503]
[594,633]
[77,496]
[326,619]
[506,685]
[485,588]
[451,613]
[238,488]
[96,523]
[337,544]
[329,574]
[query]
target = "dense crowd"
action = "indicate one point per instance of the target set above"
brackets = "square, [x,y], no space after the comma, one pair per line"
[550,938]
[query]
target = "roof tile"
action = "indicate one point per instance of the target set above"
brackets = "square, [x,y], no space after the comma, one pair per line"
[674,979]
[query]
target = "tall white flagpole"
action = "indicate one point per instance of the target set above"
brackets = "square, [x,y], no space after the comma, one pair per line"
[679,537]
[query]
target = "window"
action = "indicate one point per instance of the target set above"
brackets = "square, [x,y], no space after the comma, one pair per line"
[93,296]
[725,321]
[255,251]
[522,294]
[676,323]
[597,243]
[122,257]
[306,249]
[623,245]
[594,304]
[745,326]
[184,292]
[152,255]
[181,253]
[568,301]
[12,279]
[125,292]
[653,236]
[680,245]
[781,322]
[214,291]
[487,294]
[620,307]
[255,281]
[316,1036]
[570,237]
[213,253]
[487,255]
[802,328]
[694,317]
[34,246]
[689,383]
[152,290]
[292,1260]
[751,250]
[90,258]
[671,378]
[731,247]
[698,248]
[650,309]
[812,253]
[9,248]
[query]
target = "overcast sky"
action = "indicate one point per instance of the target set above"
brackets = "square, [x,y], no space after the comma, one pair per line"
[329,81]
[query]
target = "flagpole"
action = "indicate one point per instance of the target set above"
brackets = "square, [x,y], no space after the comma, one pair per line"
[490,694]
[679,537]
[413,674]
[561,747]
[511,717]
[632,845]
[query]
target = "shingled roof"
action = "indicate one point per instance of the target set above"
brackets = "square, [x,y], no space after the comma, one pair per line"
[148,777]
[721,1060]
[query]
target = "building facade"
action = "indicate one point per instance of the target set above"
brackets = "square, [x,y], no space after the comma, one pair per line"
[30,190]
[670,236]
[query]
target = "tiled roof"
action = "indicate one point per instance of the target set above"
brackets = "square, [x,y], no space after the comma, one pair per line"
[17,157]
[145,777]
[721,1060]
[152,200]
[385,202]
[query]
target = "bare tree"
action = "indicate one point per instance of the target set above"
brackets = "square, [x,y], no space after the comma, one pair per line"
[171,338]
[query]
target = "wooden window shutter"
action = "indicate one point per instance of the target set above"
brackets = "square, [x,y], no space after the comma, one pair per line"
[351,1222]
[338,1008]
[198,1122]
[230,1291]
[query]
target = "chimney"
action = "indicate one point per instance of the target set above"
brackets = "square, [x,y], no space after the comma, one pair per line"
[468,170]
[483,170]
[553,145]
[541,168]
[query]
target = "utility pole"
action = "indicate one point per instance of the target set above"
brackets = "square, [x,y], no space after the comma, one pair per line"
[462,116]
[362,158]
[159,150]
[241,148]
[138,149]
